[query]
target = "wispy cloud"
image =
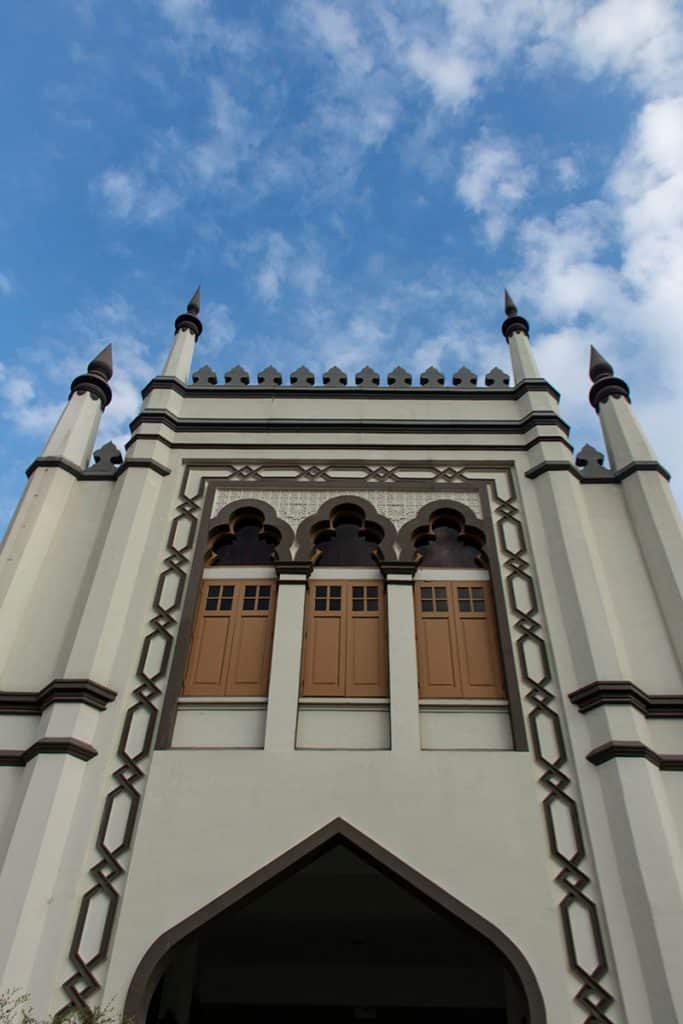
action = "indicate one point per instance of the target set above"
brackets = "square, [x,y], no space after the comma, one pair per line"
[493,182]
[129,196]
[6,286]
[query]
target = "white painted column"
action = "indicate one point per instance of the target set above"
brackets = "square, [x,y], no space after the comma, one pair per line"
[187,329]
[403,693]
[522,356]
[285,665]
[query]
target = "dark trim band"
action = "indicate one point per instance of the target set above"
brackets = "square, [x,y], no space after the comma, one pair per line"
[92,472]
[602,693]
[631,748]
[59,691]
[540,418]
[292,446]
[318,391]
[608,478]
[49,745]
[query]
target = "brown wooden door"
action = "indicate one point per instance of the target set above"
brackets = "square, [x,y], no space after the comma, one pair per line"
[232,639]
[457,642]
[345,640]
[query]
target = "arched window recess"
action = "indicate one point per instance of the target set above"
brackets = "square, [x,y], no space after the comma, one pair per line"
[458,647]
[345,642]
[233,627]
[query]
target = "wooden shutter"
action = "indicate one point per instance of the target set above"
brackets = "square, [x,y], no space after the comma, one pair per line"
[232,640]
[345,640]
[478,641]
[457,643]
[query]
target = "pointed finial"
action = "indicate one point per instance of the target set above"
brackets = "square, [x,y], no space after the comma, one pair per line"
[95,378]
[193,304]
[102,365]
[605,384]
[513,323]
[598,366]
[190,321]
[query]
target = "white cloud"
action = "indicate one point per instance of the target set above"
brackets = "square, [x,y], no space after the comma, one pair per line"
[567,172]
[270,277]
[129,196]
[219,329]
[230,141]
[6,287]
[493,182]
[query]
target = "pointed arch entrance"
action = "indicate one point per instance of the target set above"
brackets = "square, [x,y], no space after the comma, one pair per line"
[337,929]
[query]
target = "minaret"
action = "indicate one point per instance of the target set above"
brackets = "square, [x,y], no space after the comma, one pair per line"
[646,491]
[516,331]
[74,435]
[188,327]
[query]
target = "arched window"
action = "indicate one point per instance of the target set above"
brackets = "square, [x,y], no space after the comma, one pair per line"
[457,640]
[345,646]
[233,628]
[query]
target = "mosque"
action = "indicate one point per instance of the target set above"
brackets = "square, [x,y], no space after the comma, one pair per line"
[344,700]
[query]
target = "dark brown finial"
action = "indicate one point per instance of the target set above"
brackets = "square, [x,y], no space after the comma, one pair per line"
[510,308]
[605,384]
[102,365]
[513,322]
[94,380]
[190,321]
[193,304]
[598,366]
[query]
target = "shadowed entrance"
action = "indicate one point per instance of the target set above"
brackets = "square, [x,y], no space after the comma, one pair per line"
[338,937]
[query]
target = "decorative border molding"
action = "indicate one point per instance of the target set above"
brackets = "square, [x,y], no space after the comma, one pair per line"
[632,748]
[578,906]
[59,691]
[609,477]
[602,693]
[92,472]
[499,447]
[48,745]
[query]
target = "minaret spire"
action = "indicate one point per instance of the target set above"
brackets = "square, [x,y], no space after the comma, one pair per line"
[74,435]
[188,327]
[604,382]
[516,331]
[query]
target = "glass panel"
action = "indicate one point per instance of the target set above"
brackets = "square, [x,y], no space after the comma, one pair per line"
[211,604]
[371,591]
[358,605]
[321,599]
[426,599]
[226,598]
[464,599]
[214,591]
[335,591]
[263,598]
[373,604]
[357,593]
[335,604]
[478,599]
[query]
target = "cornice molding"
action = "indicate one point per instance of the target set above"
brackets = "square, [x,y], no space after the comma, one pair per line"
[49,745]
[627,748]
[443,391]
[606,693]
[59,691]
[540,418]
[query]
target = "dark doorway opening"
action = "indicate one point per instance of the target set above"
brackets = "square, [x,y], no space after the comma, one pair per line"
[337,938]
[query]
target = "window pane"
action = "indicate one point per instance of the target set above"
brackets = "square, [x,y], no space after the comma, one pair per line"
[211,604]
[440,592]
[373,604]
[358,604]
[441,606]
[371,591]
[214,591]
[464,599]
[357,593]
[250,591]
[335,604]
[226,604]
[249,604]
[426,599]
[320,604]
[335,591]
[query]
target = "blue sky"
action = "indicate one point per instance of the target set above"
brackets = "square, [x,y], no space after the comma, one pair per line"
[351,182]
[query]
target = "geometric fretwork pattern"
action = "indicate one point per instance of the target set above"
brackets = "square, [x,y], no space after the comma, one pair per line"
[579,914]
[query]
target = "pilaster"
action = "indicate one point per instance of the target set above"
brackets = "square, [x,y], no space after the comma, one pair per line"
[285,666]
[403,693]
